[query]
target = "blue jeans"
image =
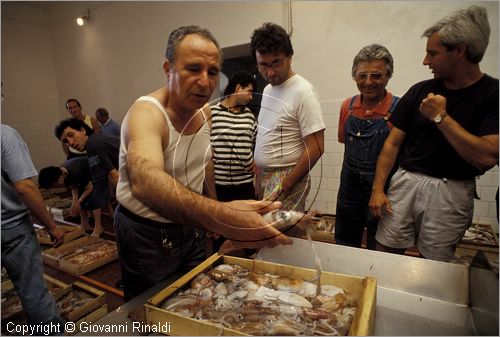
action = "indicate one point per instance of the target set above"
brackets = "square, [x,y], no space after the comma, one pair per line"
[353,213]
[147,258]
[21,257]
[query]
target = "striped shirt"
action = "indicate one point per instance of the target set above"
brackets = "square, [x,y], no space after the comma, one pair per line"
[233,139]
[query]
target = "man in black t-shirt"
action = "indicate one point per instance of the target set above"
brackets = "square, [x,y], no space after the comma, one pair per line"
[102,151]
[445,134]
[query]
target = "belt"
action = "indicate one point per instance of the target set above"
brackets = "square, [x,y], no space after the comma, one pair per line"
[137,218]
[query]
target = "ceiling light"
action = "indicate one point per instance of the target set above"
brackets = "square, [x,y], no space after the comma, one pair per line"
[80,21]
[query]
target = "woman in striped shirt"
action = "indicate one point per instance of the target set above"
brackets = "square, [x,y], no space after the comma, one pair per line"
[234,129]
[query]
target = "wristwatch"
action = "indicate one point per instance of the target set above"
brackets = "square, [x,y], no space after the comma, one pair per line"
[439,117]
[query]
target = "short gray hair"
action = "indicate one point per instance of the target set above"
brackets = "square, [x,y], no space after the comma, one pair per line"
[466,26]
[180,33]
[374,52]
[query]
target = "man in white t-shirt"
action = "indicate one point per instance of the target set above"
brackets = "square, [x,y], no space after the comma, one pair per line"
[290,136]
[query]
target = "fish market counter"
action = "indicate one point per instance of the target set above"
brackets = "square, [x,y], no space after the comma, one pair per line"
[415,296]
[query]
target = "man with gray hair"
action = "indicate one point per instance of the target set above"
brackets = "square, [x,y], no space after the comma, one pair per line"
[445,134]
[363,128]
[108,125]
[166,165]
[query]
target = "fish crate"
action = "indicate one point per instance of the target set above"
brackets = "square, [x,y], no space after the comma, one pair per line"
[11,304]
[81,255]
[79,300]
[322,229]
[480,237]
[364,288]
[71,232]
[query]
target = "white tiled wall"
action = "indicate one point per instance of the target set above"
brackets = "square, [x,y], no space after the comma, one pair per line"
[485,208]
[326,175]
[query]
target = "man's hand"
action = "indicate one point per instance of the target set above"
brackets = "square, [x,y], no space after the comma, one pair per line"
[377,202]
[432,106]
[75,208]
[242,222]
[57,236]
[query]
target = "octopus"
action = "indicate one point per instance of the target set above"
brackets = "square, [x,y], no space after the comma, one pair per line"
[229,296]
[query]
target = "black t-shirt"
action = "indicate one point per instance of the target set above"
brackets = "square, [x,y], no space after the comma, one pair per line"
[425,149]
[79,176]
[102,153]
[78,173]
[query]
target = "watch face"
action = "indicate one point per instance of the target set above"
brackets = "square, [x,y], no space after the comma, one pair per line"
[437,119]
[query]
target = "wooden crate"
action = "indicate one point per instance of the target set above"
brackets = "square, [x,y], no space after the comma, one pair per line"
[12,305]
[70,233]
[91,311]
[318,232]
[364,288]
[51,256]
[55,287]
[61,257]
[97,301]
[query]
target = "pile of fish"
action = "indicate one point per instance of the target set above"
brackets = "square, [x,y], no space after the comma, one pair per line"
[99,251]
[479,234]
[257,303]
[73,300]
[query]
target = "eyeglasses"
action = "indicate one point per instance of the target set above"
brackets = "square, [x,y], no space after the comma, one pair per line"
[275,65]
[373,76]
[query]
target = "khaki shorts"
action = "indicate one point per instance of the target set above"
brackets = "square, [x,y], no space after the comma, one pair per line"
[432,213]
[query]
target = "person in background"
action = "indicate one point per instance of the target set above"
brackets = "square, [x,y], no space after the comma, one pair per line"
[75,110]
[234,129]
[445,134]
[290,136]
[363,128]
[233,133]
[75,175]
[109,126]
[21,253]
[102,150]
[166,165]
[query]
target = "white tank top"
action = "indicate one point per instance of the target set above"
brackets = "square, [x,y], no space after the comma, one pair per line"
[186,158]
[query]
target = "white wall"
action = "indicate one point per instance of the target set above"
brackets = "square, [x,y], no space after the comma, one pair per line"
[31,103]
[118,56]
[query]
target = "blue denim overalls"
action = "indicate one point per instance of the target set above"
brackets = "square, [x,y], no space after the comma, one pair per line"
[364,139]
